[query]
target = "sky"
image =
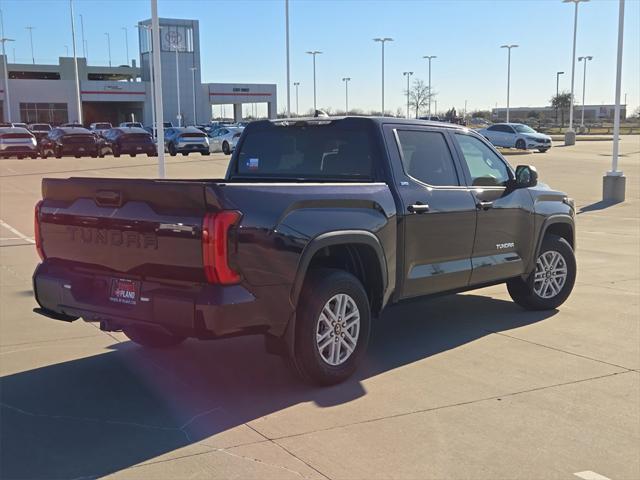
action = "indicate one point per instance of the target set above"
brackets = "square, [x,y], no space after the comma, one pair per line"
[244,41]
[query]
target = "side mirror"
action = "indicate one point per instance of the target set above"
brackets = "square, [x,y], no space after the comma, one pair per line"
[526,176]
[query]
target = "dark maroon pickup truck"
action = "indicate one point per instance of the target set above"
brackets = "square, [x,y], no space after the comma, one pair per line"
[318,225]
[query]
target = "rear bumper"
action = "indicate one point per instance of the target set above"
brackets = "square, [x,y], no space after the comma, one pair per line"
[138,149]
[188,309]
[9,150]
[80,149]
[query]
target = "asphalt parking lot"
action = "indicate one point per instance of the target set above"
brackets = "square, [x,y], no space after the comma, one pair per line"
[462,386]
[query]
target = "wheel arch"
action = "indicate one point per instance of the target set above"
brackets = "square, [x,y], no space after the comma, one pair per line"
[560,225]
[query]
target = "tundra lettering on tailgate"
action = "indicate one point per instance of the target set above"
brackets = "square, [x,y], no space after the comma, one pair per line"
[113,238]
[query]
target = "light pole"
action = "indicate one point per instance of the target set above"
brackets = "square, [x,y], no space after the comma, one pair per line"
[75,62]
[147,31]
[286,14]
[66,49]
[179,115]
[557,92]
[84,42]
[464,116]
[193,80]
[297,84]
[30,28]
[7,98]
[314,53]
[346,94]
[108,46]
[584,84]
[126,43]
[429,57]
[613,183]
[155,35]
[383,40]
[570,135]
[408,75]
[508,47]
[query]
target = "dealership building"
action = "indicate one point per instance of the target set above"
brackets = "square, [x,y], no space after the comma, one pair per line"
[47,94]
[592,113]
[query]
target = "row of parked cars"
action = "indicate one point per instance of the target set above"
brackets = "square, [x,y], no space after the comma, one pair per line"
[101,138]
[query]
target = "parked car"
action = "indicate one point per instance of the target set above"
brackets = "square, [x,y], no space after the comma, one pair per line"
[131,124]
[40,130]
[432,118]
[224,139]
[516,135]
[100,128]
[128,140]
[72,141]
[72,124]
[20,125]
[318,225]
[184,140]
[17,142]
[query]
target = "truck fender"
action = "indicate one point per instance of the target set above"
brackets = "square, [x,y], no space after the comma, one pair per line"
[553,219]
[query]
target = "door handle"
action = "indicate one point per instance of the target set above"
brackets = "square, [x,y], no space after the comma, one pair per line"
[418,208]
[484,205]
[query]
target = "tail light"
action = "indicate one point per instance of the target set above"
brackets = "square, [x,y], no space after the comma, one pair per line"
[215,247]
[36,230]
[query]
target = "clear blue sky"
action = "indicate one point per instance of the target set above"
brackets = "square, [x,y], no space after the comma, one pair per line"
[243,41]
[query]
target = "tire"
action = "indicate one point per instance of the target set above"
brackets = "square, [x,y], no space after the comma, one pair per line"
[204,152]
[323,289]
[20,157]
[184,154]
[115,151]
[532,294]
[44,154]
[33,157]
[521,145]
[225,148]
[152,338]
[172,150]
[58,153]
[542,150]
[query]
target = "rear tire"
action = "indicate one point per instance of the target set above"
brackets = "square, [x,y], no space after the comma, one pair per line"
[320,318]
[542,150]
[152,338]
[172,150]
[225,148]
[521,145]
[58,153]
[551,283]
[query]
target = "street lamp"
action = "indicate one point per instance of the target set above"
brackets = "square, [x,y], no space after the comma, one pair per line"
[193,79]
[75,63]
[346,94]
[33,58]
[508,47]
[126,43]
[157,72]
[429,57]
[570,135]
[297,84]
[408,75]
[286,15]
[108,46]
[145,29]
[584,84]
[557,92]
[179,115]
[314,53]
[383,40]
[84,42]
[66,49]
[6,77]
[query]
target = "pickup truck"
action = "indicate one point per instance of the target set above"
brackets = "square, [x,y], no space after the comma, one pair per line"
[319,224]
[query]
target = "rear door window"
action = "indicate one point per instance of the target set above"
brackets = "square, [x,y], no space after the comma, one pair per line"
[427,158]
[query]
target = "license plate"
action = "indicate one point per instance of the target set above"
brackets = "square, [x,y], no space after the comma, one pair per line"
[81,149]
[138,148]
[124,291]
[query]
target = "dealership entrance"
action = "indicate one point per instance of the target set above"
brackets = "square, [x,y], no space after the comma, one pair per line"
[112,112]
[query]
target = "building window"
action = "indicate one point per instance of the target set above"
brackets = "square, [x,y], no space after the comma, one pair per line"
[53,113]
[176,36]
[28,75]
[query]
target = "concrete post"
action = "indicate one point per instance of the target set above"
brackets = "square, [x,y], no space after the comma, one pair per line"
[237,112]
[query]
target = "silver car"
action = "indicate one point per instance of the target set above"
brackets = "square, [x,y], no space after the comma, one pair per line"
[185,140]
[516,135]
[224,139]
[100,128]
[17,142]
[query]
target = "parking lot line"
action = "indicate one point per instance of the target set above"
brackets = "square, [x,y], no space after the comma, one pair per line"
[19,234]
[589,475]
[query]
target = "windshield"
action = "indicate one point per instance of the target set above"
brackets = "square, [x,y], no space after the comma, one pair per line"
[307,151]
[41,126]
[523,129]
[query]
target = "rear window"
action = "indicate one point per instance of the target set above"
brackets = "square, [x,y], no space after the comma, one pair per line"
[41,127]
[15,135]
[102,126]
[325,151]
[193,135]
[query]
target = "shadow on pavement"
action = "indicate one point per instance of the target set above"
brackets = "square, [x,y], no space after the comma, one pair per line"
[104,413]
[600,205]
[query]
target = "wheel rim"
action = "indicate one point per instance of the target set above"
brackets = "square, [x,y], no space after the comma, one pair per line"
[550,275]
[337,329]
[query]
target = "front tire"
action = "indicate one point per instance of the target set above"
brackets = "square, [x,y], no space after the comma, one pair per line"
[152,338]
[172,150]
[225,148]
[542,150]
[332,327]
[551,282]
[521,145]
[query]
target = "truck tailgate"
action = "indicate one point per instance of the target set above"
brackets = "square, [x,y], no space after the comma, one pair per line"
[143,228]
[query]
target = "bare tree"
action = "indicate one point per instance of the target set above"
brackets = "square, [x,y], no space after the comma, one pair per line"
[418,96]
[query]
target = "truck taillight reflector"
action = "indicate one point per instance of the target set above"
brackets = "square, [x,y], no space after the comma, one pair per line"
[215,247]
[36,230]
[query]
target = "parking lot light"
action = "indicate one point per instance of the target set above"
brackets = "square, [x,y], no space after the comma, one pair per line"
[408,75]
[584,84]
[147,32]
[157,72]
[508,47]
[33,58]
[297,84]
[108,46]
[286,14]
[314,53]
[126,43]
[75,64]
[346,94]
[429,57]
[193,79]
[557,92]
[6,77]
[570,135]
[383,40]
